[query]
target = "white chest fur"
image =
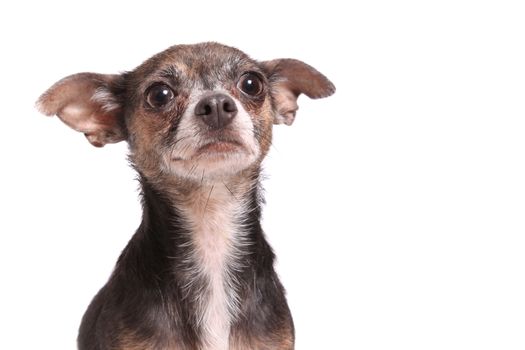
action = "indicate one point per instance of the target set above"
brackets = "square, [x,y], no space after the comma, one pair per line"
[216,235]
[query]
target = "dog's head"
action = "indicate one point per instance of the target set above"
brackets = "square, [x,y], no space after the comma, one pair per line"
[196,112]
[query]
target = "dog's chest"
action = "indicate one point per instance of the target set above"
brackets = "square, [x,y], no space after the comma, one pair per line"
[216,238]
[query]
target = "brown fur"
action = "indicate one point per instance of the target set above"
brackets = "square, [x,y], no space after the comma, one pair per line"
[281,340]
[149,301]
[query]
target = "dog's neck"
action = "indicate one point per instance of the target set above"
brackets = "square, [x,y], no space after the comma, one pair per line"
[208,232]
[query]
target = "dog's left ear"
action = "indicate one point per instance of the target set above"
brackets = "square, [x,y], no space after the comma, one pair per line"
[288,79]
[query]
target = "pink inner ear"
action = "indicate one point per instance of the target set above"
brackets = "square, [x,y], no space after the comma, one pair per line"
[286,103]
[85,103]
[290,79]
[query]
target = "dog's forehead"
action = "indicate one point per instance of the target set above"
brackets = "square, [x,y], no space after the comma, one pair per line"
[197,63]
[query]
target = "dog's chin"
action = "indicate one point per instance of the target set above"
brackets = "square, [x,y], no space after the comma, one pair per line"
[216,161]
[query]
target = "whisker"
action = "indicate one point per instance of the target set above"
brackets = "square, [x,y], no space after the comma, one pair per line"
[193,167]
[197,133]
[229,190]
[185,148]
[180,139]
[209,195]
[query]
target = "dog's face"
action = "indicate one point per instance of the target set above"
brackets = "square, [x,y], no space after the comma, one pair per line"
[197,112]
[201,111]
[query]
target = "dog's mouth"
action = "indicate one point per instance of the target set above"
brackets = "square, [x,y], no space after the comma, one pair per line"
[215,155]
[220,147]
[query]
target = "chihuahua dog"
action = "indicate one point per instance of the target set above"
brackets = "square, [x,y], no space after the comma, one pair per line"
[198,273]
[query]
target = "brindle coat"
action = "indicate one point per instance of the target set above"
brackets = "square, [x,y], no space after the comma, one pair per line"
[151,300]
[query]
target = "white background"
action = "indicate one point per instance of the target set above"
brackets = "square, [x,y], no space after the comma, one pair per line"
[396,207]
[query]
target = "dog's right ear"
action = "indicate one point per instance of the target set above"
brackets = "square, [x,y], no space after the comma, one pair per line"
[88,103]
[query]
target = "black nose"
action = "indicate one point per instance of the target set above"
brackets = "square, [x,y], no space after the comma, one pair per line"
[216,110]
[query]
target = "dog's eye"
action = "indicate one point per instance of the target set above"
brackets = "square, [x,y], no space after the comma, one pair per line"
[250,84]
[159,95]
